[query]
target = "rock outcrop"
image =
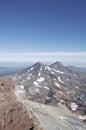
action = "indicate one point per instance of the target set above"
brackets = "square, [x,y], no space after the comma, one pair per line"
[13,115]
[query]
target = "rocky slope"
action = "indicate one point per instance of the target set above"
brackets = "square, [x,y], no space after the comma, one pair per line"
[13,115]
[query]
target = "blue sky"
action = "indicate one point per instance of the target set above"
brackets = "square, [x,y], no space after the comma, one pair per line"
[36,27]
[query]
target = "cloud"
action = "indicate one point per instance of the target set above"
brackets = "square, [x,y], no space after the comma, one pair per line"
[68,54]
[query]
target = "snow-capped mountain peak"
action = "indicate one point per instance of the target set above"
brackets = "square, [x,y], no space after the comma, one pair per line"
[50,84]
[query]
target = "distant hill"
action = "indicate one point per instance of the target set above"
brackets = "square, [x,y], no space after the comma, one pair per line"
[77,69]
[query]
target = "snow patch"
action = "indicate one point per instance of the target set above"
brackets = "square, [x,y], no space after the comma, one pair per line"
[35,83]
[62,117]
[54,96]
[74,106]
[39,74]
[20,91]
[21,86]
[41,68]
[14,78]
[58,85]
[31,68]
[61,92]
[62,101]
[58,71]
[37,90]
[48,68]
[46,87]
[30,74]
[60,80]
[40,79]
[47,98]
[77,87]
[82,117]
[52,72]
[67,79]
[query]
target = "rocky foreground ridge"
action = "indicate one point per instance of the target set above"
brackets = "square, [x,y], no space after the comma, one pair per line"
[13,115]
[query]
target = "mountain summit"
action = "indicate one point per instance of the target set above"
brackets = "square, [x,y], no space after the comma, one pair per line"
[59,66]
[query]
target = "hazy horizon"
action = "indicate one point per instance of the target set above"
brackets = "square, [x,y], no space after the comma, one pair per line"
[27,64]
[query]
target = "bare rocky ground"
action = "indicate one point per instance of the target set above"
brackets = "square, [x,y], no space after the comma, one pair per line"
[13,115]
[53,117]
